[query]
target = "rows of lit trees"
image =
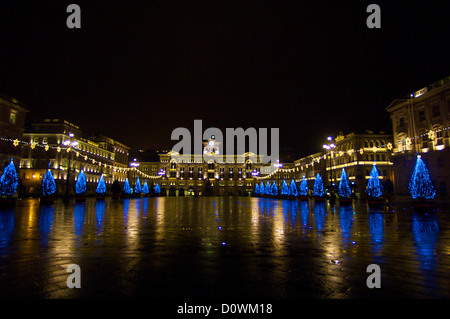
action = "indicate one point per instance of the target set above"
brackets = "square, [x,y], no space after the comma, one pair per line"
[9,183]
[420,186]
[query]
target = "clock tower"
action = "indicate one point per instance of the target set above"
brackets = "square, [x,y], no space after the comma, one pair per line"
[211,147]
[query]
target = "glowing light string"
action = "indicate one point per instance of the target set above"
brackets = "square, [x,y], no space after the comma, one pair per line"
[68,149]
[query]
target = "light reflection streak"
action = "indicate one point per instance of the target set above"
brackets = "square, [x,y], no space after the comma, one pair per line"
[376,228]
[319,215]
[78,217]
[45,223]
[6,227]
[345,217]
[100,207]
[145,206]
[304,212]
[160,203]
[425,234]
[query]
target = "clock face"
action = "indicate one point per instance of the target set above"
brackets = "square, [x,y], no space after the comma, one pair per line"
[211,143]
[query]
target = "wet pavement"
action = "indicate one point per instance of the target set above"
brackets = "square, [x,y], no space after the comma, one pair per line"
[222,247]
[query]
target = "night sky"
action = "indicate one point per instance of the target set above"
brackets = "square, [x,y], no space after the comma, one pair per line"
[136,70]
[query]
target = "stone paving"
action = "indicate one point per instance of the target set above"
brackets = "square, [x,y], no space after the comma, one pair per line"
[222,247]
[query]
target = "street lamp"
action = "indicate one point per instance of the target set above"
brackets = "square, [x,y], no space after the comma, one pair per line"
[278,172]
[72,143]
[161,172]
[329,147]
[134,165]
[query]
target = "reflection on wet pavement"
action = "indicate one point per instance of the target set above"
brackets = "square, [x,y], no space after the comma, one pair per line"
[214,247]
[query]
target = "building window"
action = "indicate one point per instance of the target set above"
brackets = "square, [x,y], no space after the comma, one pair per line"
[443,189]
[440,138]
[402,121]
[422,115]
[12,117]
[425,141]
[436,110]
[404,145]
[440,162]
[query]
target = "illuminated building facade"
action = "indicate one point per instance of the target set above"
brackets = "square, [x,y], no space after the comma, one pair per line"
[60,145]
[12,126]
[200,174]
[356,153]
[420,125]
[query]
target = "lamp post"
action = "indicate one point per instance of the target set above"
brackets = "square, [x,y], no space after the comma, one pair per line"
[134,165]
[278,165]
[72,143]
[329,147]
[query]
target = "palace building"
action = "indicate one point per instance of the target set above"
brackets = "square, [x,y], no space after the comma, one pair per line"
[12,127]
[356,153]
[420,125]
[200,174]
[61,146]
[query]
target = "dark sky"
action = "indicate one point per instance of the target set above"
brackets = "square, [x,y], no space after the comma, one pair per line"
[136,70]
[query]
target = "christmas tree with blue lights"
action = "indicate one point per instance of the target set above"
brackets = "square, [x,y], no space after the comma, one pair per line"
[80,185]
[374,188]
[267,189]
[303,188]
[344,189]
[274,189]
[137,187]
[145,189]
[101,186]
[420,185]
[293,189]
[157,189]
[126,187]
[261,189]
[257,189]
[284,189]
[48,184]
[318,186]
[9,180]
